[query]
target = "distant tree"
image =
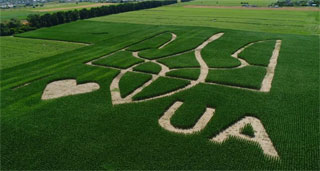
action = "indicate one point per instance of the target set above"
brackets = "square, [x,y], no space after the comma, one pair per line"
[12,27]
[34,20]
[4,30]
[53,19]
[45,20]
[68,16]
[74,15]
[84,13]
[14,23]
[61,17]
[92,12]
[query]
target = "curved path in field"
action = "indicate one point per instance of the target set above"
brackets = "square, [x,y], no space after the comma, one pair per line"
[174,36]
[204,70]
[165,123]
[114,87]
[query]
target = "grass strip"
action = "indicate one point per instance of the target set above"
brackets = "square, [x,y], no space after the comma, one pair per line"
[148,67]
[182,61]
[161,86]
[122,59]
[247,130]
[154,42]
[249,77]
[259,53]
[192,74]
[131,81]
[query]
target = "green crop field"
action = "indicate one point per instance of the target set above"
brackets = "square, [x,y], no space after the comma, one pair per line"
[164,88]
[259,3]
[21,13]
[261,20]
[232,3]
[16,51]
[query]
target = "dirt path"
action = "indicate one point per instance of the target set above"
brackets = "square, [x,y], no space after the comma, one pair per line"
[236,55]
[203,74]
[260,135]
[114,87]
[256,8]
[204,70]
[267,81]
[174,36]
[165,123]
[76,7]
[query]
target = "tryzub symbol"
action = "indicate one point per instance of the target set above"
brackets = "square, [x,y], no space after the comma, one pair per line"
[259,136]
[204,70]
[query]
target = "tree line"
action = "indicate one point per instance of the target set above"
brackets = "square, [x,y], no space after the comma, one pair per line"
[13,26]
[37,21]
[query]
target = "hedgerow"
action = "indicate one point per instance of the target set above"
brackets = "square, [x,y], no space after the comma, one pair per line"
[51,19]
[13,26]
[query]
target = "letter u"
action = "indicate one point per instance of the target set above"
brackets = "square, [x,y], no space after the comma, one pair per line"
[165,123]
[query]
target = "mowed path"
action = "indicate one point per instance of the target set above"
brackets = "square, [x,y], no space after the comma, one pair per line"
[68,8]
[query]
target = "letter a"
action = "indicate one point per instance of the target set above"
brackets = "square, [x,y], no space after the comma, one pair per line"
[260,135]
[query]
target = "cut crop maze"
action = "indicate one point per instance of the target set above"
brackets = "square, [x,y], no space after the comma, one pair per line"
[128,62]
[162,97]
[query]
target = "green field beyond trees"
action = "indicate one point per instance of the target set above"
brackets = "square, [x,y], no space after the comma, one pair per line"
[16,51]
[259,3]
[90,131]
[262,20]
